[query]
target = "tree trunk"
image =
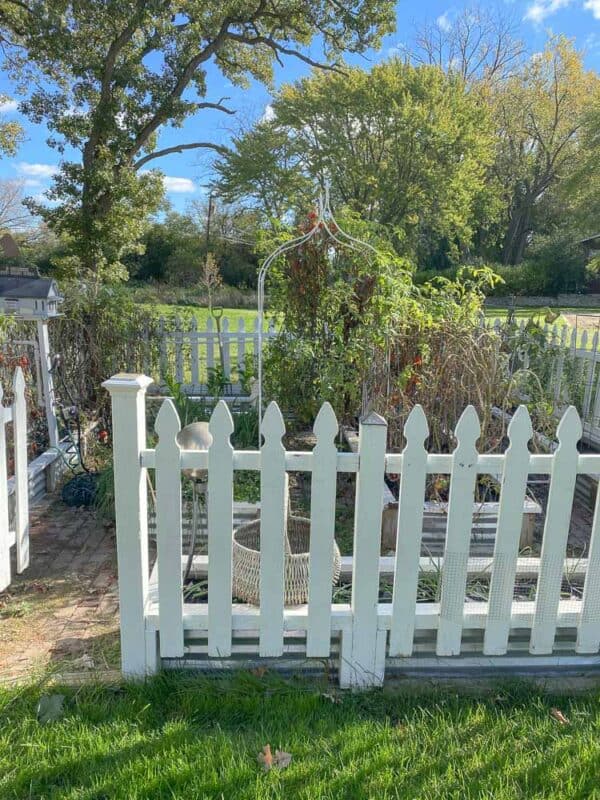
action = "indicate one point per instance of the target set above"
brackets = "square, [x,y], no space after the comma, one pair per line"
[519,227]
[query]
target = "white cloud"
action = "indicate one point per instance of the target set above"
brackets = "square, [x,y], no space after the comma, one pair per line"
[593,6]
[178,185]
[540,9]
[443,21]
[268,114]
[8,106]
[37,170]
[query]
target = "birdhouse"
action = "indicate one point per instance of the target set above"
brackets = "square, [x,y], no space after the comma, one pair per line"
[23,293]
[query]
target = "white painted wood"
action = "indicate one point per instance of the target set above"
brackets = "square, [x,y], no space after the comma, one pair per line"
[19,413]
[408,533]
[591,369]
[367,545]
[241,344]
[226,344]
[559,366]
[195,364]
[163,357]
[220,531]
[556,531]
[4,532]
[129,439]
[272,513]
[322,528]
[508,532]
[178,338]
[460,518]
[169,532]
[47,381]
[588,632]
[210,343]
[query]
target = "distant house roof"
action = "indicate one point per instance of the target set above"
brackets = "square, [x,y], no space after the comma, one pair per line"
[27,286]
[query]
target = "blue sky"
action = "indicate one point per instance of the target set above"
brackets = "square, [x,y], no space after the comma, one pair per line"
[187,172]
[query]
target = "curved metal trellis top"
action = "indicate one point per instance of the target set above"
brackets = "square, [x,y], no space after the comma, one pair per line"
[325,221]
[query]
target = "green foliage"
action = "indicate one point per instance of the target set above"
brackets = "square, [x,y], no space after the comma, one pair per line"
[405,147]
[105,77]
[11,133]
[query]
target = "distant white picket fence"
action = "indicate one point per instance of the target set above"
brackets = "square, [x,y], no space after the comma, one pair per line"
[583,386]
[365,636]
[188,354]
[14,531]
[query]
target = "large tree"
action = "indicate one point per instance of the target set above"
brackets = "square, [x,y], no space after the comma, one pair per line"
[404,146]
[108,75]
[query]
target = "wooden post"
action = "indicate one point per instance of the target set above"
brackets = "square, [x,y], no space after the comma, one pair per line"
[47,381]
[19,414]
[129,439]
[367,642]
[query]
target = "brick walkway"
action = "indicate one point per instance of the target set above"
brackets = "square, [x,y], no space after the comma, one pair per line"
[62,612]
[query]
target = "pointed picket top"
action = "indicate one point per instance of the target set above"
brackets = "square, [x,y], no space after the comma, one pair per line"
[520,429]
[584,338]
[178,322]
[569,428]
[595,341]
[18,383]
[468,428]
[416,428]
[225,324]
[194,323]
[221,422]
[241,325]
[326,426]
[373,419]
[573,341]
[167,423]
[209,324]
[273,426]
[563,335]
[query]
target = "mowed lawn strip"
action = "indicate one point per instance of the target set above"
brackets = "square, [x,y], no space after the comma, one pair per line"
[181,736]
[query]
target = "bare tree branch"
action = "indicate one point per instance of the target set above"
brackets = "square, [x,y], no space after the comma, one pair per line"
[179,148]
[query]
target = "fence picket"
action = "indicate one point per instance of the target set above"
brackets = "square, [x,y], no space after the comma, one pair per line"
[588,632]
[506,547]
[273,502]
[408,533]
[367,546]
[21,479]
[168,524]
[556,531]
[241,345]
[194,344]
[591,371]
[163,356]
[4,541]
[178,350]
[210,344]
[226,345]
[458,535]
[559,366]
[220,531]
[322,527]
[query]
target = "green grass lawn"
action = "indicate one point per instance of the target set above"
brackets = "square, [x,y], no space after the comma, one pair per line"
[185,737]
[588,319]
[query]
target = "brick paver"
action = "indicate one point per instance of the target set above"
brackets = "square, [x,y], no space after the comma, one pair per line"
[63,611]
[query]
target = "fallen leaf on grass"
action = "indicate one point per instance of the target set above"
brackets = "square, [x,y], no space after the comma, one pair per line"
[333,698]
[280,760]
[559,716]
[50,708]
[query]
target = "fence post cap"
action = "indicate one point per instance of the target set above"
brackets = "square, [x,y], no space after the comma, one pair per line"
[127,382]
[373,419]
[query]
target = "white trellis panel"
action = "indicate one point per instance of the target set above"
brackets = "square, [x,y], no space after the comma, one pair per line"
[169,532]
[556,531]
[460,520]
[408,533]
[220,531]
[322,527]
[272,527]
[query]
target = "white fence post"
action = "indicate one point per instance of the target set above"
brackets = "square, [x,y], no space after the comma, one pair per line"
[168,531]
[588,632]
[4,532]
[409,527]
[556,532]
[129,439]
[458,534]
[508,532]
[322,528]
[19,415]
[368,644]
[220,531]
[273,514]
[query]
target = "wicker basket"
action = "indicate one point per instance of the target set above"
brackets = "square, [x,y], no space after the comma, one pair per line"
[246,562]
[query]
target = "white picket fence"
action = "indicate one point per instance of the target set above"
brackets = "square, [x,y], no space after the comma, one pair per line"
[362,637]
[14,531]
[189,354]
[582,385]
